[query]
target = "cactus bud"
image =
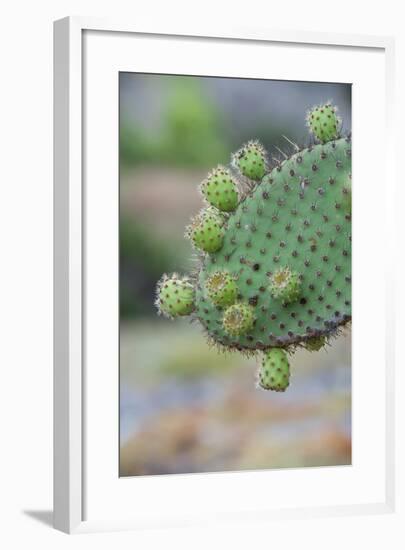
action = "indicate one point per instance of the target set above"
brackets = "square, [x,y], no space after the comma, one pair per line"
[221,288]
[175,296]
[206,230]
[316,343]
[274,372]
[238,319]
[285,285]
[323,122]
[220,190]
[251,160]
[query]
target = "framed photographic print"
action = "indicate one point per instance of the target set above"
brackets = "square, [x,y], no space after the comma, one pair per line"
[215,269]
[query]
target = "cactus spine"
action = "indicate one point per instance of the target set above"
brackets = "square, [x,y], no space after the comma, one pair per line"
[275,262]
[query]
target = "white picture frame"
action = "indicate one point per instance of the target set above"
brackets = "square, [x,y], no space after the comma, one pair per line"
[77,43]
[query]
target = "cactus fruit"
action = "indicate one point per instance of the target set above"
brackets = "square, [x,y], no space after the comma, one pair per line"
[220,190]
[316,343]
[323,122]
[221,288]
[251,160]
[274,372]
[238,319]
[285,285]
[175,296]
[275,271]
[206,230]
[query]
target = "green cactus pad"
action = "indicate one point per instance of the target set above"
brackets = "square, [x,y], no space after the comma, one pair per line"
[221,288]
[293,218]
[250,160]
[175,296]
[323,122]
[315,344]
[206,230]
[285,285]
[274,372]
[220,189]
[238,319]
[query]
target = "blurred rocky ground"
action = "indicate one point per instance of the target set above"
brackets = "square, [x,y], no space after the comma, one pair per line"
[186,408]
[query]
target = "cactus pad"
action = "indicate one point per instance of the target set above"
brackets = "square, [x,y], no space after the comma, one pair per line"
[295,217]
[277,269]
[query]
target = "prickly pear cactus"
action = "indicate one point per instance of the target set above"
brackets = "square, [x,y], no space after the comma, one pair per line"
[274,245]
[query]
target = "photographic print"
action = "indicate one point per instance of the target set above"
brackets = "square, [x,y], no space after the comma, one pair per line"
[235,274]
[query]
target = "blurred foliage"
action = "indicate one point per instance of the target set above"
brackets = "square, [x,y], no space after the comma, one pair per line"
[136,146]
[143,259]
[190,133]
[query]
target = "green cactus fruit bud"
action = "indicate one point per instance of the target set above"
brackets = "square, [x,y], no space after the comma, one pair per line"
[316,343]
[323,122]
[206,230]
[285,285]
[238,319]
[221,288]
[220,189]
[274,372]
[175,296]
[251,160]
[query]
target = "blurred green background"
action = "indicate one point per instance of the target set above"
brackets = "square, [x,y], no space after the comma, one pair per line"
[184,407]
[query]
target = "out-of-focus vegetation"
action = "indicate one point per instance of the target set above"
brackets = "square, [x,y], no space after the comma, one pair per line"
[190,132]
[143,258]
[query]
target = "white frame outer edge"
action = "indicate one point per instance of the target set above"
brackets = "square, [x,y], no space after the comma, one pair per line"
[67,276]
[68,336]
